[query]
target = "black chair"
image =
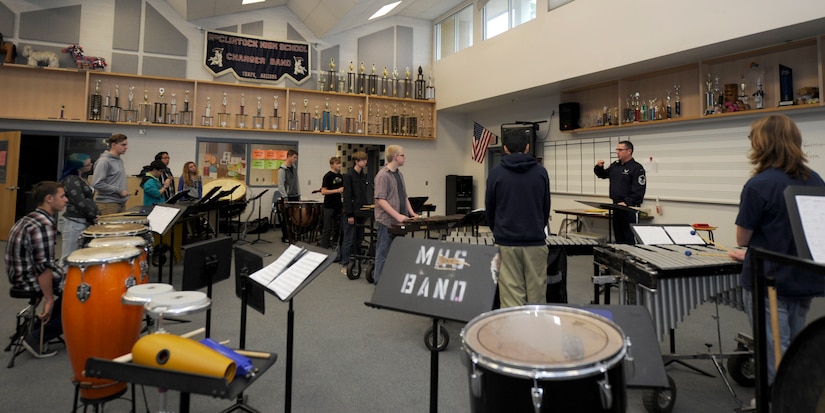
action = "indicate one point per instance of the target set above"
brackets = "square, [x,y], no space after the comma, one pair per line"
[24,321]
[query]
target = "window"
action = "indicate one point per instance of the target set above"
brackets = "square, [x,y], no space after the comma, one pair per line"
[503,15]
[252,163]
[454,33]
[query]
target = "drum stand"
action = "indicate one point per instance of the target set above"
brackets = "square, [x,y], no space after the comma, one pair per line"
[257,199]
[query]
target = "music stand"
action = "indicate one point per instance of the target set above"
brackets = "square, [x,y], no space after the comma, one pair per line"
[177,197]
[290,329]
[162,218]
[610,208]
[254,200]
[205,263]
[468,290]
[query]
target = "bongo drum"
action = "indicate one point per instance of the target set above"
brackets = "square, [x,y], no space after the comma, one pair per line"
[95,322]
[543,359]
[177,303]
[115,230]
[141,263]
[143,294]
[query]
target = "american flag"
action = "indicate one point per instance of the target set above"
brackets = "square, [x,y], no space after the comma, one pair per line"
[481,140]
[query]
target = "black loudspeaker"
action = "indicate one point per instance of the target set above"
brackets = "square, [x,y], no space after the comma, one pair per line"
[569,116]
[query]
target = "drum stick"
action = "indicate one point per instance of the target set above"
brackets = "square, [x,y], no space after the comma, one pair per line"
[711,242]
[126,358]
[254,354]
[41,336]
[777,344]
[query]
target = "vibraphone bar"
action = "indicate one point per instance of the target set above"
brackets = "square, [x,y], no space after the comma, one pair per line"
[670,283]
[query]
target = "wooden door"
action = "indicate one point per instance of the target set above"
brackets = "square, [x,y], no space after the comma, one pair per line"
[9,160]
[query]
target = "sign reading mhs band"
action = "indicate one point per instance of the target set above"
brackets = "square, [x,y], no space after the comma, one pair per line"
[250,57]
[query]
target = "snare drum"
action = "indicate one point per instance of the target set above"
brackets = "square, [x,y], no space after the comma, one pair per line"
[177,303]
[543,359]
[115,230]
[95,322]
[141,263]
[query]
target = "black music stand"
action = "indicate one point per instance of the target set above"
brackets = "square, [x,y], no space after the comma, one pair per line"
[204,264]
[162,219]
[610,208]
[254,200]
[473,295]
[289,296]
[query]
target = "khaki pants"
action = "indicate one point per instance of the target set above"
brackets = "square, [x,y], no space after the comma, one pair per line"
[523,275]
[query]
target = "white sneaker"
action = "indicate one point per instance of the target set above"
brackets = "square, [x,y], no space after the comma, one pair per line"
[344,270]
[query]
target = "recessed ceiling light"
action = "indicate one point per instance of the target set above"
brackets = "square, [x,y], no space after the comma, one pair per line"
[252,1]
[384,10]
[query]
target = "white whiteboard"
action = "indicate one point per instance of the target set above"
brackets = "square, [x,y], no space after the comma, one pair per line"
[698,165]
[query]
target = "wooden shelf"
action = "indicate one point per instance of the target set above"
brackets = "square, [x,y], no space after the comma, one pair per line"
[37,94]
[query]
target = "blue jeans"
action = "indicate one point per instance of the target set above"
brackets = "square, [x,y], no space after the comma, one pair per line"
[70,230]
[792,313]
[353,237]
[382,248]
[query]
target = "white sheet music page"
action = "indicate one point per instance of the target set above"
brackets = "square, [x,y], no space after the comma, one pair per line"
[652,235]
[265,275]
[681,234]
[294,275]
[161,217]
[812,215]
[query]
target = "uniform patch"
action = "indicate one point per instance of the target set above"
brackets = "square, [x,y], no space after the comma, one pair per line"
[642,180]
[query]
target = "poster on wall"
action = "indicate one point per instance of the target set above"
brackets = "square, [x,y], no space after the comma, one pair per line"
[252,57]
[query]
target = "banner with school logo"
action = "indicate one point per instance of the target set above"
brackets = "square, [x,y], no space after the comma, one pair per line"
[251,57]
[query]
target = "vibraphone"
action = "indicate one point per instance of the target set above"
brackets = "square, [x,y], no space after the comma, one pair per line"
[427,224]
[572,244]
[669,282]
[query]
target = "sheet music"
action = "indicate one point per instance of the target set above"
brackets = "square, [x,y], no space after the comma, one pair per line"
[652,235]
[285,274]
[681,235]
[161,217]
[812,215]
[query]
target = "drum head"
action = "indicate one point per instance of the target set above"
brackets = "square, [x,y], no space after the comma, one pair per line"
[117,241]
[143,293]
[123,219]
[114,230]
[226,184]
[543,342]
[102,255]
[800,381]
[178,303]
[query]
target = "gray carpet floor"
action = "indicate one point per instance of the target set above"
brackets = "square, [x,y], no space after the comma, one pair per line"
[352,358]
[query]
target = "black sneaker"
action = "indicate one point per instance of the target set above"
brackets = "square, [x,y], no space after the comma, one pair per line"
[32,348]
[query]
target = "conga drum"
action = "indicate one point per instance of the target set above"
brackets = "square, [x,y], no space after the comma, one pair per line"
[141,263]
[95,321]
[545,359]
[303,220]
[116,230]
[123,219]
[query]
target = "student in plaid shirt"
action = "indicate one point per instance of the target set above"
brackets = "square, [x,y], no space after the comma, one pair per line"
[31,263]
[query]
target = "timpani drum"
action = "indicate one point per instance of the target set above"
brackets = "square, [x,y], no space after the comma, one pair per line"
[95,321]
[226,184]
[141,263]
[115,230]
[545,358]
[304,220]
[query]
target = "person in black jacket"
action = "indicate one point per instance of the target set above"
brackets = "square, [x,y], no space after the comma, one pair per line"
[357,193]
[627,188]
[517,202]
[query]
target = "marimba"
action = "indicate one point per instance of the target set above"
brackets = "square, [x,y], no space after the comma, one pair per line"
[670,282]
[433,223]
[572,244]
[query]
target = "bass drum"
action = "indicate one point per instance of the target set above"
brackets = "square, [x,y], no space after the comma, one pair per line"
[800,381]
[545,359]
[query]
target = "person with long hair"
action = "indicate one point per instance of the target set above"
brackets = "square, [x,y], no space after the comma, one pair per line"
[81,210]
[779,161]
[190,181]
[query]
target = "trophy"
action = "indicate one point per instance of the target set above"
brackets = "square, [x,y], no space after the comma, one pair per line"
[258,120]
[386,127]
[709,99]
[785,86]
[362,80]
[223,115]
[429,93]
[293,122]
[395,121]
[742,87]
[186,100]
[258,107]
[677,104]
[342,82]
[95,103]
[359,124]
[130,114]
[322,83]
[759,95]
[160,107]
[384,82]
[145,109]
[336,120]
[331,76]
[395,82]
[173,112]
[669,107]
[349,122]
[419,84]
[373,82]
[206,120]
[325,120]
[186,114]
[275,120]
[131,96]
[243,103]
[351,83]
[316,120]
[117,95]
[407,83]
[306,117]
